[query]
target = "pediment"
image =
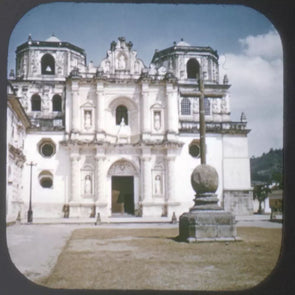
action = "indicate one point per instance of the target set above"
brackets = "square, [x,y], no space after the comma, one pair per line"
[157,105]
[87,104]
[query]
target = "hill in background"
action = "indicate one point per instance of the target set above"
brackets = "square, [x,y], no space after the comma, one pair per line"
[268,168]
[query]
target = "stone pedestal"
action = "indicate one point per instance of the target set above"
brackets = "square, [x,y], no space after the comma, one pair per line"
[203,225]
[206,221]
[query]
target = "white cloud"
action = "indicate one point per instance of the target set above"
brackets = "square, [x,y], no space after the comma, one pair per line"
[267,45]
[256,76]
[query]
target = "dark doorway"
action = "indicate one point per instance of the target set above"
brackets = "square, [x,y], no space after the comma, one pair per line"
[122,195]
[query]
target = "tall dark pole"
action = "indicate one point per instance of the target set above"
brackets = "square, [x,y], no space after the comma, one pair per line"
[30,211]
[202,120]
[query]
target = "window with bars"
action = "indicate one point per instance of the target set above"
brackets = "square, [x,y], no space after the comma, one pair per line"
[185,106]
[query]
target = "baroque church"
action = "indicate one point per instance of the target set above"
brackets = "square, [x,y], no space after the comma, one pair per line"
[122,138]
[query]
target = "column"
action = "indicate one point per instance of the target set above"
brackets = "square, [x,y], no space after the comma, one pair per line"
[172,108]
[75,176]
[99,107]
[171,178]
[99,177]
[146,171]
[75,107]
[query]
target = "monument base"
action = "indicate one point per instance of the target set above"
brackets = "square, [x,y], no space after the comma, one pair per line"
[207,225]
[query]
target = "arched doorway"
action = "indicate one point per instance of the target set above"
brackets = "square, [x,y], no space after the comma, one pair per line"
[124,197]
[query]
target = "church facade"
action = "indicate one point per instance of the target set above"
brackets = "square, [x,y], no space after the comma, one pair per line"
[121,138]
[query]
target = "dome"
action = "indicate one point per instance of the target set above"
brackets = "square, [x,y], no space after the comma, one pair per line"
[52,38]
[182,43]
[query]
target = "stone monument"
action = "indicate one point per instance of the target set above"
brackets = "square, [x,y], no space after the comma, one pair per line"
[206,220]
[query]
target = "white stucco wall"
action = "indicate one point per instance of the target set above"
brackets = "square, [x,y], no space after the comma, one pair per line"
[185,164]
[236,164]
[46,202]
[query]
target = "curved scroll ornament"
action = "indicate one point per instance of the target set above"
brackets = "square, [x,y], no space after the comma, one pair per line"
[122,168]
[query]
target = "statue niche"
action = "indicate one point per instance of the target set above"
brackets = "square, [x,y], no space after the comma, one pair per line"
[121,62]
[157,120]
[158,185]
[88,185]
[87,120]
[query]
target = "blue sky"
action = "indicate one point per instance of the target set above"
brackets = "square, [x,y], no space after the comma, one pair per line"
[238,33]
[148,26]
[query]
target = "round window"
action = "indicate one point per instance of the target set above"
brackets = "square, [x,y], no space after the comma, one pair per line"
[46,182]
[47,149]
[194,148]
[46,179]
[194,151]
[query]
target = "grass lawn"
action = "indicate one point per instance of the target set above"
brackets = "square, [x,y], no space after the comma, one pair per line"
[102,258]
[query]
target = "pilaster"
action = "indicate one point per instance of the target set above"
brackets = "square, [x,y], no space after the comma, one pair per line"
[75,176]
[99,176]
[146,169]
[145,111]
[171,178]
[172,108]
[99,107]
[75,106]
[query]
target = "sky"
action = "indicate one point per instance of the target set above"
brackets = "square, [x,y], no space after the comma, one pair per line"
[249,48]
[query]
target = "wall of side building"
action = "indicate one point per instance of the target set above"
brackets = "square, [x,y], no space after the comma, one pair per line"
[17,123]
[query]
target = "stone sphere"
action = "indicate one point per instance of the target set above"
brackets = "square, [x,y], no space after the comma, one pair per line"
[204,179]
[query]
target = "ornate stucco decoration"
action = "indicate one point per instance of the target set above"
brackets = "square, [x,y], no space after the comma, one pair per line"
[122,168]
[121,61]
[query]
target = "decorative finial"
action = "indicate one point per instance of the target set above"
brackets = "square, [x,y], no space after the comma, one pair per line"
[30,39]
[113,45]
[225,79]
[243,117]
[11,74]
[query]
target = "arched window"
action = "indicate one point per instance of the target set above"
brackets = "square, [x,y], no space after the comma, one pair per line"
[56,103]
[36,103]
[121,115]
[47,65]
[185,106]
[207,106]
[192,69]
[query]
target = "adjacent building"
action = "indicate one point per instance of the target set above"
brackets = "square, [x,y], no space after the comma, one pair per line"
[17,125]
[122,138]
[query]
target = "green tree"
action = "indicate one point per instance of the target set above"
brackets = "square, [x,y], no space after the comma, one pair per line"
[260,193]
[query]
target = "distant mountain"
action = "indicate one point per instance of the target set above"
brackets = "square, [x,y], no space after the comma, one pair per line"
[268,167]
